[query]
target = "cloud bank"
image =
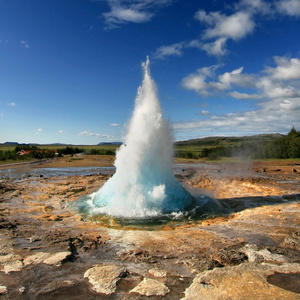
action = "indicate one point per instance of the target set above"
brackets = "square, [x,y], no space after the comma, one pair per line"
[275,89]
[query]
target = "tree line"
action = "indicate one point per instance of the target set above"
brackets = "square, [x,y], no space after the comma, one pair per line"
[283,147]
[34,152]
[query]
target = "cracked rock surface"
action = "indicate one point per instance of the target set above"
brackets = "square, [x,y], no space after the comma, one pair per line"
[250,252]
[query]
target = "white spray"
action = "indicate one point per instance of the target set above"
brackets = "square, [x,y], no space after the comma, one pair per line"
[144,184]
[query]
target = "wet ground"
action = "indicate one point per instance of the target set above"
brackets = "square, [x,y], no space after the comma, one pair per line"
[46,249]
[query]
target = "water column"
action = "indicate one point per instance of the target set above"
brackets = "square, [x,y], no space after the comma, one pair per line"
[143,184]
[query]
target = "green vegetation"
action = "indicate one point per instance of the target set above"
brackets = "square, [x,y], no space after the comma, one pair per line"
[12,152]
[265,146]
[25,152]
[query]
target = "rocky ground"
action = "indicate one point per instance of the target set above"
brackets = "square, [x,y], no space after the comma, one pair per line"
[250,252]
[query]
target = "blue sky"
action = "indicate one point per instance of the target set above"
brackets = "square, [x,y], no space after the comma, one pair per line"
[70,69]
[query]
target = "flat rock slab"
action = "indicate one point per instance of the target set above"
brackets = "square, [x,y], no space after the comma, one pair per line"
[58,258]
[55,259]
[104,277]
[14,263]
[151,287]
[246,281]
[36,258]
[11,263]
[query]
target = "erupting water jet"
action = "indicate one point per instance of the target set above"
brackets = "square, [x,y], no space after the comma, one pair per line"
[144,184]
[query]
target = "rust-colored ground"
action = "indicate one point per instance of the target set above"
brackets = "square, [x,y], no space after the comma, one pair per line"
[244,253]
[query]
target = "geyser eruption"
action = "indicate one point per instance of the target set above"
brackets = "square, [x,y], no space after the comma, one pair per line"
[143,184]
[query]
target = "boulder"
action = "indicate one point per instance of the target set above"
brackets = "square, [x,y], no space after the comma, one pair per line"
[3,290]
[252,253]
[150,287]
[263,255]
[245,281]
[231,255]
[104,277]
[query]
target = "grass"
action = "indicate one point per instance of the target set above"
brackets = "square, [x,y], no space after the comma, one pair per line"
[232,160]
[195,149]
[12,161]
[279,159]
[25,158]
[7,147]
[56,147]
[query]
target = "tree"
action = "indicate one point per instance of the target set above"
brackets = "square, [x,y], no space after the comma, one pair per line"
[293,143]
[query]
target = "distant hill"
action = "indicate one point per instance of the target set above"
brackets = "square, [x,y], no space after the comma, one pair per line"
[226,141]
[10,143]
[16,144]
[109,143]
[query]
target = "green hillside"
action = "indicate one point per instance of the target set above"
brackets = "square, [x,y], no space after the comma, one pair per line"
[254,147]
[217,141]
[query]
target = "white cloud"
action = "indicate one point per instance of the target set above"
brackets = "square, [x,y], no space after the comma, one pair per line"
[25,44]
[244,96]
[38,131]
[286,69]
[284,7]
[229,78]
[119,15]
[135,11]
[196,82]
[199,82]
[88,133]
[114,124]
[60,131]
[276,115]
[235,26]
[255,6]
[289,7]
[171,50]
[204,113]
[277,89]
[216,48]
[283,80]
[13,104]
[221,28]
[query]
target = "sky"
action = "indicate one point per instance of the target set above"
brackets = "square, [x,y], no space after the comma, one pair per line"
[70,69]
